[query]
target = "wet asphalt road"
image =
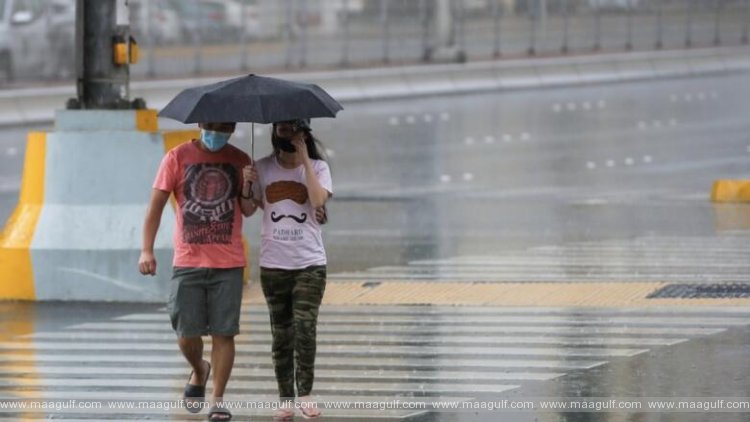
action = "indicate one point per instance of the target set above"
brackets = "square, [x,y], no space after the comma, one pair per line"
[435,178]
[544,178]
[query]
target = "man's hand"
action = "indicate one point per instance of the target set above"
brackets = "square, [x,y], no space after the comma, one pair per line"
[147,263]
[249,174]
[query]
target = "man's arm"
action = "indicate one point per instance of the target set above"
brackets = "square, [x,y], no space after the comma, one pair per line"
[147,261]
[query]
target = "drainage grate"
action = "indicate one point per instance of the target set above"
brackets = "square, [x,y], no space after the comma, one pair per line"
[702,291]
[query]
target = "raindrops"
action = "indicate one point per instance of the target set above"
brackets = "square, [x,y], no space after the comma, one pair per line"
[586,105]
[611,163]
[656,124]
[466,177]
[506,138]
[412,119]
[693,97]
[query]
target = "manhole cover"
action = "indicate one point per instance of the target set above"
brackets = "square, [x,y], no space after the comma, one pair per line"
[701,291]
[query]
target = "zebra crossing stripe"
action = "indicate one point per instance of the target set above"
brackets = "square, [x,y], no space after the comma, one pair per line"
[327,388]
[432,331]
[481,319]
[384,340]
[448,364]
[343,351]
[267,374]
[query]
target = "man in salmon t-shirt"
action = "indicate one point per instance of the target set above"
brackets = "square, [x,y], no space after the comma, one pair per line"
[206,178]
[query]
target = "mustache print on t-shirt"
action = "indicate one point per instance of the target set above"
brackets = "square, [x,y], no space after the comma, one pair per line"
[276,218]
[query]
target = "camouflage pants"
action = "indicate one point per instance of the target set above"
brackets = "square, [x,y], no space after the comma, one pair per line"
[293,298]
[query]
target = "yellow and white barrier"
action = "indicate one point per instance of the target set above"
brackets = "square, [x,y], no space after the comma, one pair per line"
[77,231]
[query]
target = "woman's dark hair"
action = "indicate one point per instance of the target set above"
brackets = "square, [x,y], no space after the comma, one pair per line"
[314,146]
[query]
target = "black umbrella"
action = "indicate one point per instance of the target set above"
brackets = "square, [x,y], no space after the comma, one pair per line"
[251,98]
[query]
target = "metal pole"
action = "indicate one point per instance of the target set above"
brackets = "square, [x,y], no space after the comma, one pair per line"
[659,30]
[424,18]
[150,56]
[566,24]
[717,22]
[386,30]
[746,23]
[197,39]
[497,14]
[532,33]
[345,24]
[303,40]
[598,28]
[689,24]
[461,30]
[289,32]
[243,37]
[629,43]
[252,142]
[101,84]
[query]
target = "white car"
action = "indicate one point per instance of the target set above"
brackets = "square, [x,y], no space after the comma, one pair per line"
[249,23]
[33,43]
[155,20]
[613,4]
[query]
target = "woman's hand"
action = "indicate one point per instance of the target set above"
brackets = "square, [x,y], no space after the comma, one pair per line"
[300,146]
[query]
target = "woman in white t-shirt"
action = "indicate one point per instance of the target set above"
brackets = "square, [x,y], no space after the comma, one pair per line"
[290,185]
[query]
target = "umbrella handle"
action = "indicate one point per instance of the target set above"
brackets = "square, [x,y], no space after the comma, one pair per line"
[252,142]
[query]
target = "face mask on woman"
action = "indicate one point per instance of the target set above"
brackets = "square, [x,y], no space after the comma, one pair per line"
[283,144]
[213,140]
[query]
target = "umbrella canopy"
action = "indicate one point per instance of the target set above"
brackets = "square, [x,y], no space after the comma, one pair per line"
[251,98]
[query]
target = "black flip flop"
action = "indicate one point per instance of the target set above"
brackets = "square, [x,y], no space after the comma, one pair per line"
[195,394]
[219,410]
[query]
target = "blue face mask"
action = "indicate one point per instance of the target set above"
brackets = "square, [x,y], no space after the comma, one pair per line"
[213,140]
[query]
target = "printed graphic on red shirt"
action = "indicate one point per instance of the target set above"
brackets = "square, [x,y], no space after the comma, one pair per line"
[208,210]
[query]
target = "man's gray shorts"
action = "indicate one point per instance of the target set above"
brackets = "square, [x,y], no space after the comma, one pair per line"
[206,301]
